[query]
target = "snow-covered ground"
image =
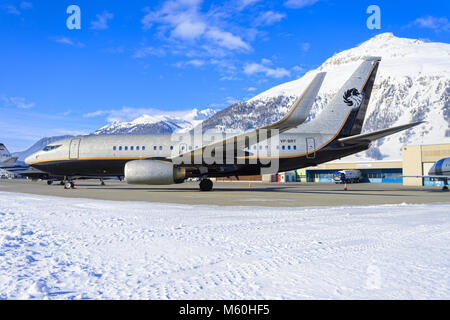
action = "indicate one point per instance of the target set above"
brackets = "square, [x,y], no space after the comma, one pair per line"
[61,248]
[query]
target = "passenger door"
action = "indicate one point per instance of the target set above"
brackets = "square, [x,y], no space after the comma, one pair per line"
[310,148]
[74,149]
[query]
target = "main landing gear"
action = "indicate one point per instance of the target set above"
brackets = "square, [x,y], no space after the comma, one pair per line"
[206,185]
[68,184]
[445,188]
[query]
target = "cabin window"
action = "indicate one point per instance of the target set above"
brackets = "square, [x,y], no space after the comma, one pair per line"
[260,147]
[283,147]
[114,148]
[137,147]
[295,147]
[131,148]
[126,148]
[171,147]
[190,147]
[289,147]
[143,147]
[182,148]
[278,147]
[160,147]
[254,147]
[154,147]
[120,148]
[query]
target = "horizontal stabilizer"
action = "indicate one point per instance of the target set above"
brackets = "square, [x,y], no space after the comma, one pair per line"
[11,160]
[372,136]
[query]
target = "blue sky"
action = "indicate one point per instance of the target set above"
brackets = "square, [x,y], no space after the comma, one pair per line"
[134,57]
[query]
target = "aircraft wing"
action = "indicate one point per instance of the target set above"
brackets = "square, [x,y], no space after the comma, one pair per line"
[433,177]
[296,116]
[369,137]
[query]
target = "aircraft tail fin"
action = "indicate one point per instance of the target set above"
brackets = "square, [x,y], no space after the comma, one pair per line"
[358,97]
[345,114]
[4,153]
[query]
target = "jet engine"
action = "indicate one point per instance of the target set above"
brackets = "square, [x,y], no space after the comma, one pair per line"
[153,172]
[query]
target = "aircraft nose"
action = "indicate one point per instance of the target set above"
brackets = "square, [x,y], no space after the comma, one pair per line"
[432,170]
[436,169]
[30,159]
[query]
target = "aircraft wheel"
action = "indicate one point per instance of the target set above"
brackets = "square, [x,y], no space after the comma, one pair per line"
[445,188]
[49,182]
[206,185]
[68,185]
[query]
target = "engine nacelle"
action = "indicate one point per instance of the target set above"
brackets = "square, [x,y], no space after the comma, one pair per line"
[153,172]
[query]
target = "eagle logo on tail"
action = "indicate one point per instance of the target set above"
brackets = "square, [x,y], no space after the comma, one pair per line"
[353,98]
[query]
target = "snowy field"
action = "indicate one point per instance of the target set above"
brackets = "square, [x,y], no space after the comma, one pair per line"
[61,248]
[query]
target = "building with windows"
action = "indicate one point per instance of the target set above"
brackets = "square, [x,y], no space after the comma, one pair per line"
[371,171]
[416,161]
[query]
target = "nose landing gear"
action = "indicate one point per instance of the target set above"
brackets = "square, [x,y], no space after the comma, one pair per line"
[206,185]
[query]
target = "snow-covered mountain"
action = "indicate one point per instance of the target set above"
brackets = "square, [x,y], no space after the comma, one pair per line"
[413,83]
[159,124]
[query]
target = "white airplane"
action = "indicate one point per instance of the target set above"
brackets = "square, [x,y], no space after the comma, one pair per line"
[439,171]
[166,159]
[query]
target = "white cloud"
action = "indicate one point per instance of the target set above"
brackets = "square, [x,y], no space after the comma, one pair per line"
[189,30]
[102,21]
[18,102]
[251,89]
[255,68]
[435,23]
[147,51]
[231,100]
[269,17]
[184,24]
[242,4]
[227,39]
[298,4]
[67,41]
[11,9]
[305,46]
[26,5]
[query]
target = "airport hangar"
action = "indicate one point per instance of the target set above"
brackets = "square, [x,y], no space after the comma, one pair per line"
[416,161]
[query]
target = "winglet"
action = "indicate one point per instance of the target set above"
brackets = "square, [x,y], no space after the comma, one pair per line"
[301,108]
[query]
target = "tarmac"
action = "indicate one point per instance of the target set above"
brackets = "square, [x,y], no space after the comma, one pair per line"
[239,193]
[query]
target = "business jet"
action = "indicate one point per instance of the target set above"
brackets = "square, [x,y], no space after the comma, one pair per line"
[439,171]
[170,159]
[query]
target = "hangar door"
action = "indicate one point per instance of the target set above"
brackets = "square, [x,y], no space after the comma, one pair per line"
[74,149]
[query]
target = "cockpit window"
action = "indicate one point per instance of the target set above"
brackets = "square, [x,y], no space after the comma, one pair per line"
[48,148]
